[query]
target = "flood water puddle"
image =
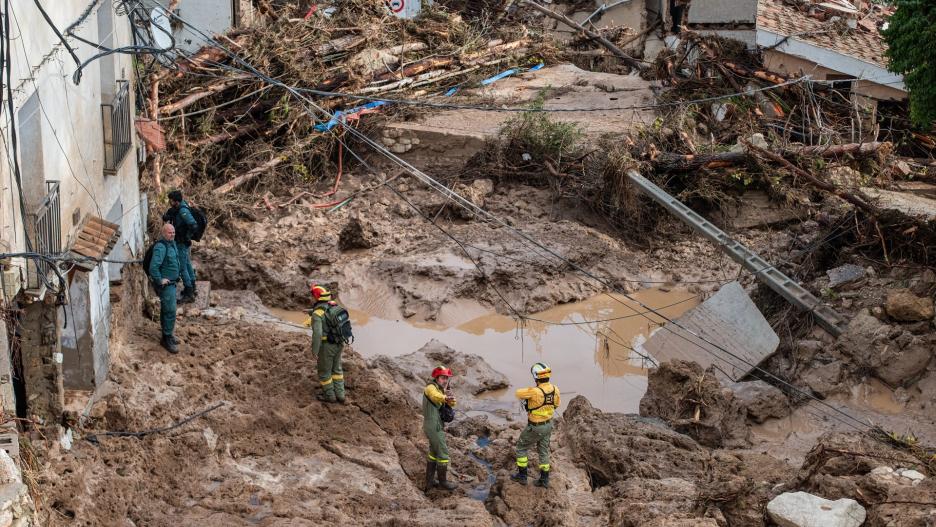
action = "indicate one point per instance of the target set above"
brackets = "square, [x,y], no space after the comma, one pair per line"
[585,343]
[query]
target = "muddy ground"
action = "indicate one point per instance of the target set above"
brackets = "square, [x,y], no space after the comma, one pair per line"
[273,455]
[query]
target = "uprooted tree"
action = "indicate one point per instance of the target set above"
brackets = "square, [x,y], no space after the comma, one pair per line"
[911,40]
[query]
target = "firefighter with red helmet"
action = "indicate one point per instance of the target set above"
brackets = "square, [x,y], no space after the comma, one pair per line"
[437,407]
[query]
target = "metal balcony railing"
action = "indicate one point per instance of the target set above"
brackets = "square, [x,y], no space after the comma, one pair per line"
[46,236]
[117,128]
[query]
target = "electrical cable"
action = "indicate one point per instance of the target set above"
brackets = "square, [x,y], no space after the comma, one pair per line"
[471,207]
[61,38]
[58,142]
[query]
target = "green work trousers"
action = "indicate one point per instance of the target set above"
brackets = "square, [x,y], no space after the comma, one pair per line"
[167,308]
[330,374]
[185,262]
[438,450]
[535,435]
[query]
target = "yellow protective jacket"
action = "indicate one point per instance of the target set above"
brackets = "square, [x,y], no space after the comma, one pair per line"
[434,398]
[536,401]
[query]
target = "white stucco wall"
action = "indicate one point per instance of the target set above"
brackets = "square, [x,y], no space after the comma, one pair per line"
[70,119]
[210,16]
[70,142]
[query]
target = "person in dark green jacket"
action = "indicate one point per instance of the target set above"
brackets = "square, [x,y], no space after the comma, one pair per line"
[164,271]
[180,216]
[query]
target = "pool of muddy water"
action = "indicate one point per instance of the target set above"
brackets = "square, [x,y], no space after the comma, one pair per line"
[587,344]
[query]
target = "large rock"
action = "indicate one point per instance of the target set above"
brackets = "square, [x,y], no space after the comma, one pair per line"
[474,375]
[801,509]
[904,306]
[893,355]
[693,402]
[639,502]
[762,400]
[825,379]
[614,447]
[359,233]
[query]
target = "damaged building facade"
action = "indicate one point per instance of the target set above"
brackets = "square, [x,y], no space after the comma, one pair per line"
[837,42]
[71,188]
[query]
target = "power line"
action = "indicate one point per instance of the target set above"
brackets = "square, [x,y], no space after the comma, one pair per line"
[471,207]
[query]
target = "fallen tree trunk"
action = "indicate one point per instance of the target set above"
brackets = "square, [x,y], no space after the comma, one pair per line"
[631,61]
[669,162]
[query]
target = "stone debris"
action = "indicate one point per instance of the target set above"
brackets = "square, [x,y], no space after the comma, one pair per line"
[845,274]
[762,400]
[801,509]
[904,306]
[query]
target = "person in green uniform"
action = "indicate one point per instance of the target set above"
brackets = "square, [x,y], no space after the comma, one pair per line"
[327,353]
[434,398]
[180,216]
[164,271]
[540,403]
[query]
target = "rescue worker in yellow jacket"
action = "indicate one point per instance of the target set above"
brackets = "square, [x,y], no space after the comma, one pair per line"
[540,403]
[437,408]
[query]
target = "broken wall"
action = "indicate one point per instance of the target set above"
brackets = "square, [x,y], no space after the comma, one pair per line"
[42,359]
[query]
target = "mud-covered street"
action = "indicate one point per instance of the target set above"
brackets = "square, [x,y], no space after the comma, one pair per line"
[720,251]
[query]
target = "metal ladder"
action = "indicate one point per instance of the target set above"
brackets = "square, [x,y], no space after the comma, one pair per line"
[796,294]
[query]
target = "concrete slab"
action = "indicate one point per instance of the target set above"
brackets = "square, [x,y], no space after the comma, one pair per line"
[912,202]
[203,298]
[459,133]
[729,319]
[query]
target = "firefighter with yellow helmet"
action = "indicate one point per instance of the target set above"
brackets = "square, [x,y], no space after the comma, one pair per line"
[540,403]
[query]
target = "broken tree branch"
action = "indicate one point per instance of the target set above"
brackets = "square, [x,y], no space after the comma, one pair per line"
[631,61]
[250,175]
[212,89]
[814,181]
[669,162]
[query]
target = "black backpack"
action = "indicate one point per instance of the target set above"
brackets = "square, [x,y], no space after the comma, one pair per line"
[182,232]
[148,257]
[338,325]
[201,220]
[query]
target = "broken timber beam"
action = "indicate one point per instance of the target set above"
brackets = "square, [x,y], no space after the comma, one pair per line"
[785,286]
[631,61]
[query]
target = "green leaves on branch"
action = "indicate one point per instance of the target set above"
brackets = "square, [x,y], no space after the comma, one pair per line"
[911,40]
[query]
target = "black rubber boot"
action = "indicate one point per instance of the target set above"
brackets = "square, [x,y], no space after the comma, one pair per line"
[544,480]
[442,471]
[430,475]
[521,476]
[169,343]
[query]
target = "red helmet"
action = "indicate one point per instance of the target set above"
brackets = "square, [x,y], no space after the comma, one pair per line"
[319,292]
[440,371]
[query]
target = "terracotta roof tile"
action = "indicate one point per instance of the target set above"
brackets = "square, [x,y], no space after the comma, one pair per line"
[95,240]
[781,18]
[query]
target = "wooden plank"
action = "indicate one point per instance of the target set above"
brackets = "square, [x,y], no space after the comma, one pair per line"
[729,319]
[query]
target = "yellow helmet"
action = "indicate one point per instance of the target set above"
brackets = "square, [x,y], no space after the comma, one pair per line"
[540,371]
